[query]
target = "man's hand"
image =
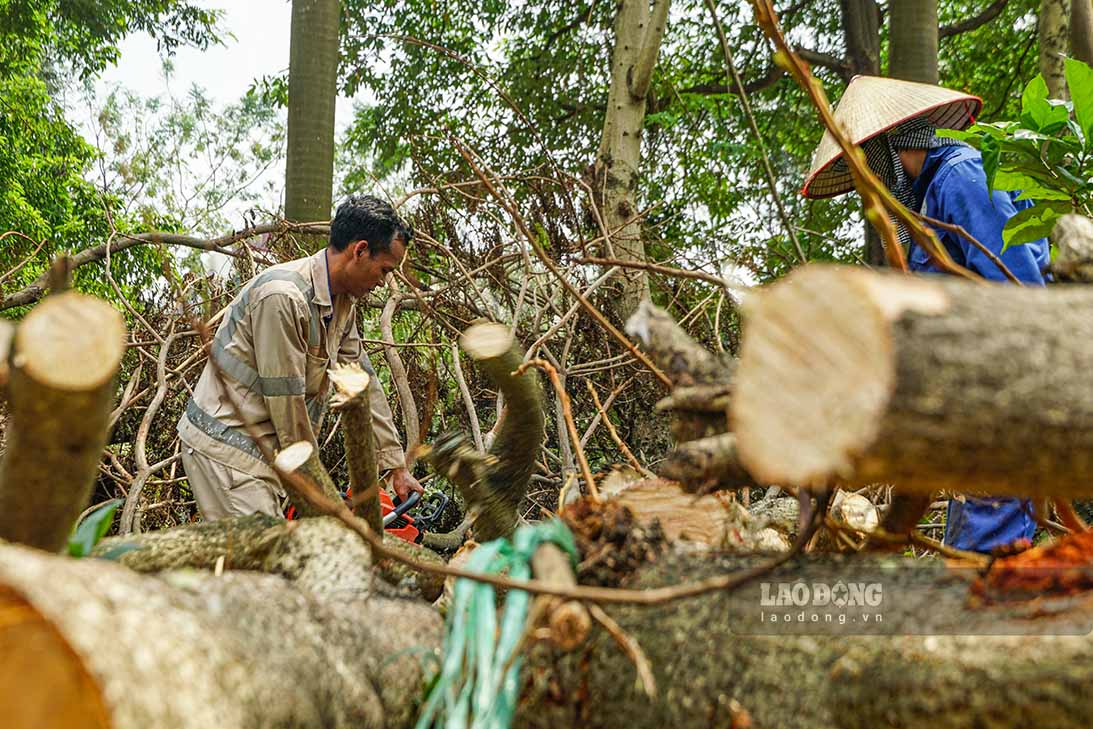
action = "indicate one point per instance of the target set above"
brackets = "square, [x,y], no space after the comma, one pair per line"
[403,483]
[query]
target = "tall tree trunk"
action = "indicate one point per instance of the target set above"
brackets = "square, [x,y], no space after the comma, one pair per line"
[639,28]
[861,33]
[1081,30]
[312,92]
[1054,33]
[912,27]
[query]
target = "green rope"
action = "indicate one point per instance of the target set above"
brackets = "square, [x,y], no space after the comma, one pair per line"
[479,678]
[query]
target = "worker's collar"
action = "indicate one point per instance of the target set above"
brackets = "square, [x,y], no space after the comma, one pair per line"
[320,279]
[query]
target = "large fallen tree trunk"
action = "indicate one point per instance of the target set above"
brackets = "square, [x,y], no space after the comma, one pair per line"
[201,649]
[64,356]
[927,383]
[933,662]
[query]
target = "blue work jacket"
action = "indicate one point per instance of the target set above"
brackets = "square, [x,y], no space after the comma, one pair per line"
[952,188]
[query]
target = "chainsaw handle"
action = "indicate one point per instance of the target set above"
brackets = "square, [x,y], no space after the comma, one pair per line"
[402,508]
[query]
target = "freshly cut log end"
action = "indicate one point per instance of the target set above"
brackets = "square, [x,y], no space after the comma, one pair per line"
[71,342]
[350,383]
[486,341]
[296,455]
[351,399]
[60,391]
[806,345]
[301,460]
[927,383]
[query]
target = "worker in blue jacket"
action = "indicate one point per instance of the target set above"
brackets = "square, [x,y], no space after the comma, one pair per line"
[895,123]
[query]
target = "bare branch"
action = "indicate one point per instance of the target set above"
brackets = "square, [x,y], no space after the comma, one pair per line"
[988,14]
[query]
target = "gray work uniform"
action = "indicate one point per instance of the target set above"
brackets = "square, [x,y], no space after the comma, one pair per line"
[276,341]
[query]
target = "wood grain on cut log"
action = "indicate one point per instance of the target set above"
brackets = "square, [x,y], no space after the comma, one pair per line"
[494,483]
[240,650]
[351,400]
[303,459]
[65,355]
[930,384]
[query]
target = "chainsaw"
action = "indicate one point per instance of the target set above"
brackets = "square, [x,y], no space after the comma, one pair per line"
[396,521]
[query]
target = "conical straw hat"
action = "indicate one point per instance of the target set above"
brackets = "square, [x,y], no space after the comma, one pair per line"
[871,105]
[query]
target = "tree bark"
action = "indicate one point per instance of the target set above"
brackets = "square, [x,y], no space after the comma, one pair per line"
[399,377]
[351,399]
[1081,30]
[638,32]
[707,464]
[1054,28]
[312,93]
[234,650]
[912,29]
[494,483]
[939,663]
[64,357]
[930,385]
[861,34]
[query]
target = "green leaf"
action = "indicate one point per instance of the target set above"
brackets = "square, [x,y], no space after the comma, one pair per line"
[1032,223]
[1034,93]
[1009,179]
[1040,113]
[1036,193]
[92,529]
[992,156]
[1079,80]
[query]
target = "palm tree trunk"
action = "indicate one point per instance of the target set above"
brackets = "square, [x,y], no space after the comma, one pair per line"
[912,27]
[312,91]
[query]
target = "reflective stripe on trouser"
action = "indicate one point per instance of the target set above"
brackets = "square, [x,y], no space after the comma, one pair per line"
[236,437]
[222,491]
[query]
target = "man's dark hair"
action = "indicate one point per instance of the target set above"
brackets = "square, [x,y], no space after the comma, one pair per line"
[364,217]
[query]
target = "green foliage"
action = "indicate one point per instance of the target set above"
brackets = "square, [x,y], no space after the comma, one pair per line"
[85,33]
[92,529]
[47,204]
[1046,154]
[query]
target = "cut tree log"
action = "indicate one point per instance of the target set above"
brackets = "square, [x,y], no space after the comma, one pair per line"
[929,384]
[303,458]
[494,483]
[303,461]
[1073,237]
[351,400]
[189,649]
[685,361]
[935,662]
[64,357]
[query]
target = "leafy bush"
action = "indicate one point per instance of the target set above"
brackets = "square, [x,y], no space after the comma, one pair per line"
[1045,155]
